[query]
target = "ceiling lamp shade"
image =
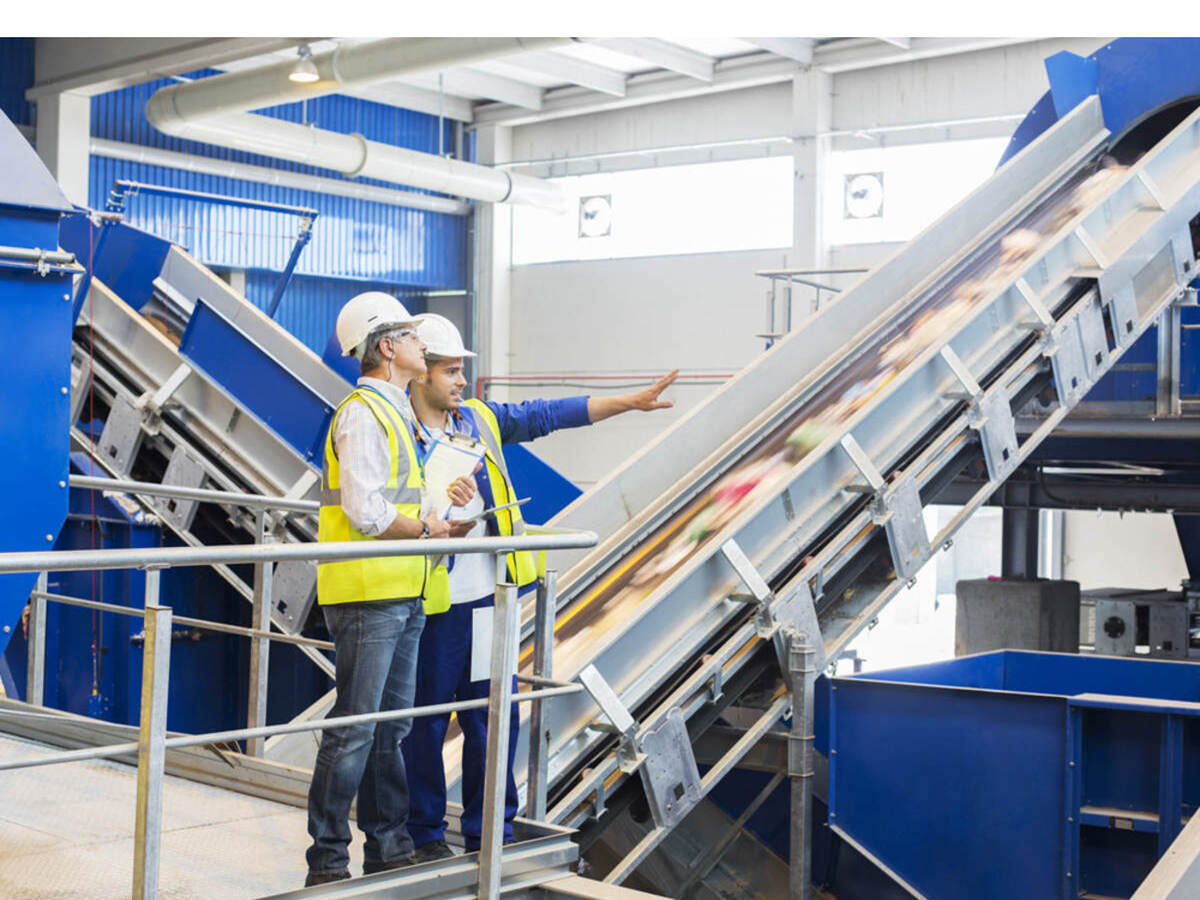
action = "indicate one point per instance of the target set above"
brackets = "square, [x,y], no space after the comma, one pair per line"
[304,71]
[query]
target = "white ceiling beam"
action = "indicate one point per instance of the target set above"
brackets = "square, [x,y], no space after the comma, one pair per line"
[92,66]
[902,43]
[734,74]
[663,55]
[571,71]
[495,87]
[649,87]
[418,99]
[846,56]
[798,49]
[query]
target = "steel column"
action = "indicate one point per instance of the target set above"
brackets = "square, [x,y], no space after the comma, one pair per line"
[260,647]
[1019,542]
[543,667]
[800,762]
[152,750]
[35,679]
[495,779]
[1166,401]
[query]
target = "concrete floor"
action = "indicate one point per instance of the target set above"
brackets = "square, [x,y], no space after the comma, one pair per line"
[66,831]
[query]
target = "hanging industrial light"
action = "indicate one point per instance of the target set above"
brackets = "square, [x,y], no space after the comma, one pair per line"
[304,71]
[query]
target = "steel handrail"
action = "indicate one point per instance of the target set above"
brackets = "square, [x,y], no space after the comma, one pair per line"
[223,737]
[233,554]
[153,742]
[150,489]
[203,624]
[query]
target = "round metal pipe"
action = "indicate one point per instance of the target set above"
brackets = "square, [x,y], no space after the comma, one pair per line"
[348,66]
[213,110]
[235,554]
[353,155]
[1183,428]
[207,165]
[149,489]
[36,255]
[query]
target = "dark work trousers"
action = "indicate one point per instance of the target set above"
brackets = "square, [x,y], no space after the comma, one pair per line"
[376,659]
[443,675]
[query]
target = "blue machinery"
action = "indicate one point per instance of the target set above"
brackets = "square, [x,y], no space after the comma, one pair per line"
[694,602]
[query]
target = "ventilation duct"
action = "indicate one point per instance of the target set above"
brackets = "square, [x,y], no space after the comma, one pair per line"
[213,110]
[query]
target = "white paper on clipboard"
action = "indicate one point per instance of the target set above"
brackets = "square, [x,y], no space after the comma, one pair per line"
[482,621]
[448,460]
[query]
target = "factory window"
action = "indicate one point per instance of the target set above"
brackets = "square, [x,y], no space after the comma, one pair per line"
[740,205]
[892,193]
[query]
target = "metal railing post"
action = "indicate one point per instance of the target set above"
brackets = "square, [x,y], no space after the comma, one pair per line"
[495,781]
[800,763]
[35,672]
[152,735]
[260,647]
[543,667]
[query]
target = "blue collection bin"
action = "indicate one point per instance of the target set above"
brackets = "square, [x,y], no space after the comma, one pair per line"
[1013,773]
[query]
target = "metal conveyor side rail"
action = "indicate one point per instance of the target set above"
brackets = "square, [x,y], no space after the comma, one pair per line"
[1124,232]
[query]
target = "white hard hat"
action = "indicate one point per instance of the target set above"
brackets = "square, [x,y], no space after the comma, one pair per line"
[441,337]
[365,312]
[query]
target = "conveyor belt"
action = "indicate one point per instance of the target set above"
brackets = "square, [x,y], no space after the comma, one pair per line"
[1009,289]
[652,561]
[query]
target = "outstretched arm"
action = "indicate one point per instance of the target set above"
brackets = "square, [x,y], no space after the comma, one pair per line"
[646,400]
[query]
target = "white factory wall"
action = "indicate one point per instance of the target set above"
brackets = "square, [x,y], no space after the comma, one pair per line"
[1134,550]
[700,312]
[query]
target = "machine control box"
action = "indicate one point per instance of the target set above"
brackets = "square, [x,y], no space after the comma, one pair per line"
[1131,622]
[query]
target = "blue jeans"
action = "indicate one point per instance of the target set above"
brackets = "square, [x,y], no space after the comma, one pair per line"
[376,658]
[444,675]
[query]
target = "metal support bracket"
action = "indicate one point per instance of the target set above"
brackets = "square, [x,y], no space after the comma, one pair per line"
[1044,319]
[1152,188]
[303,485]
[151,404]
[971,388]
[183,470]
[898,510]
[1091,247]
[796,612]
[760,592]
[992,417]
[294,594]
[1070,369]
[1090,321]
[1122,311]
[122,436]
[863,463]
[669,774]
[629,757]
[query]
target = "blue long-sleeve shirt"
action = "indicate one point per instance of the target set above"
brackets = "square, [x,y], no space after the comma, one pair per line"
[520,422]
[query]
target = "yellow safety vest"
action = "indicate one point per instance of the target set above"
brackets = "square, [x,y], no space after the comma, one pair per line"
[523,567]
[380,578]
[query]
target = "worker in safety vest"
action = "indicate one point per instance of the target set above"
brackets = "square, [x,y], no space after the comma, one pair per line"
[444,667]
[371,486]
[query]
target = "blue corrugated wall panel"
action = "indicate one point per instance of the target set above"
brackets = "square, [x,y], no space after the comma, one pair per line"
[352,238]
[16,77]
[310,305]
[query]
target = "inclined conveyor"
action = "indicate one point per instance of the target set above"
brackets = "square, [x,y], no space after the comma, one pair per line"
[800,483]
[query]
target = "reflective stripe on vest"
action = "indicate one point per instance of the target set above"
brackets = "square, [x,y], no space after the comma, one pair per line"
[522,566]
[386,578]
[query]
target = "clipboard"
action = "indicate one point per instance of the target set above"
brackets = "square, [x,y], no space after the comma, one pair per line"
[488,512]
[447,460]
